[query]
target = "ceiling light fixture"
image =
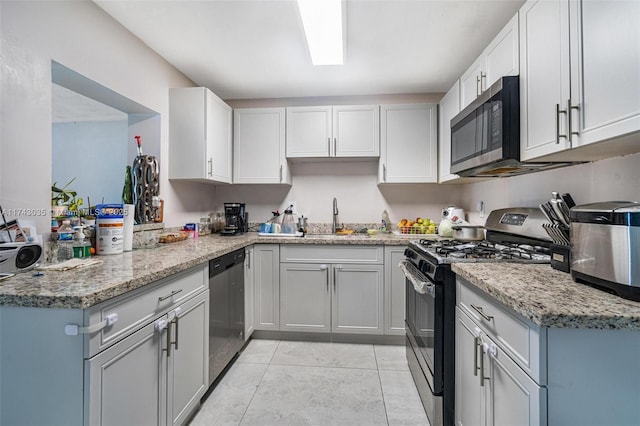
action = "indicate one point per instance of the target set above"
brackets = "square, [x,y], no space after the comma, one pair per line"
[323,22]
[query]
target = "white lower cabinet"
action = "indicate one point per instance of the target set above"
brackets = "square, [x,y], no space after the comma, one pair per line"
[249,291]
[338,298]
[318,294]
[266,286]
[490,388]
[305,297]
[394,291]
[156,375]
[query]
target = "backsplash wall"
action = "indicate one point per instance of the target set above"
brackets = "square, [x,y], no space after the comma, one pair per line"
[354,184]
[605,180]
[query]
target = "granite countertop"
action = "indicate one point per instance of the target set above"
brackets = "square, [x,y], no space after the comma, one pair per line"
[117,274]
[550,298]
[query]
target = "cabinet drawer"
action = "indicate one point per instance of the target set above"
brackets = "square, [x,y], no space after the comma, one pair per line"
[331,254]
[138,307]
[518,337]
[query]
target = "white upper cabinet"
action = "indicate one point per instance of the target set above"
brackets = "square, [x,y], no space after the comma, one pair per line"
[409,147]
[544,77]
[338,131]
[579,79]
[605,71]
[500,58]
[449,108]
[259,146]
[200,137]
[309,131]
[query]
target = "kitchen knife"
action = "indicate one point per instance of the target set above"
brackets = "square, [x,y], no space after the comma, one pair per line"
[544,208]
[559,212]
[552,214]
[568,200]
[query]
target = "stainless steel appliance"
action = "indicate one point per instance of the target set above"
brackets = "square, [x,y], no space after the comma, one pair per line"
[485,136]
[605,246]
[236,219]
[226,310]
[512,235]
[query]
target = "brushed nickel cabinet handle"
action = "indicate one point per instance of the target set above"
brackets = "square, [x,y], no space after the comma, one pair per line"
[335,147]
[477,86]
[175,342]
[168,340]
[570,119]
[280,173]
[483,76]
[384,172]
[476,344]
[482,365]
[558,112]
[480,311]
[329,146]
[168,296]
[210,172]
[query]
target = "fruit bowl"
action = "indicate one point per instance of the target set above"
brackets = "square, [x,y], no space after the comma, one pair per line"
[417,230]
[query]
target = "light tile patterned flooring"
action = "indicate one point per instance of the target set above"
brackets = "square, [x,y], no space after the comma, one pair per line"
[312,383]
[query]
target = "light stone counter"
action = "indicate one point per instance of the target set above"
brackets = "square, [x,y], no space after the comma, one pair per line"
[125,272]
[550,298]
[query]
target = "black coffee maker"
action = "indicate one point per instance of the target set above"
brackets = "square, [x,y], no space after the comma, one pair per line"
[236,219]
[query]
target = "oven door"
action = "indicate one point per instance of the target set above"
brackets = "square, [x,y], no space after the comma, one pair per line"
[425,325]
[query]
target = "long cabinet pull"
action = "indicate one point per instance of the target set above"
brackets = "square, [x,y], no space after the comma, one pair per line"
[477,86]
[210,166]
[335,147]
[329,146]
[168,340]
[483,76]
[480,311]
[558,112]
[175,342]
[170,295]
[384,172]
[476,345]
[280,173]
[570,119]
[482,378]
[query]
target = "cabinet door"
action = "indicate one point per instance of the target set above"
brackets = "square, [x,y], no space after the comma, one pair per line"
[502,57]
[470,82]
[513,397]
[394,291]
[199,135]
[188,360]
[544,77]
[219,139]
[267,286]
[409,143]
[356,131]
[124,381]
[248,293]
[605,69]
[305,299]
[308,131]
[357,302]
[259,146]
[468,396]
[449,108]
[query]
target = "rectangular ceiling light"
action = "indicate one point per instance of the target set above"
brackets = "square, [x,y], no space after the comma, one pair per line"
[323,24]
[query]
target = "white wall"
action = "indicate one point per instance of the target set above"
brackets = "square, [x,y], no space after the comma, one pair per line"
[606,180]
[79,35]
[353,183]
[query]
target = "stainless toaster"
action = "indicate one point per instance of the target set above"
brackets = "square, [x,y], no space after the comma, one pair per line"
[605,246]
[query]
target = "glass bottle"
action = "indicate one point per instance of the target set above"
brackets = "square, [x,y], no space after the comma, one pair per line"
[127,190]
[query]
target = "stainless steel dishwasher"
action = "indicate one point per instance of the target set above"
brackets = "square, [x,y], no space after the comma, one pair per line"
[226,310]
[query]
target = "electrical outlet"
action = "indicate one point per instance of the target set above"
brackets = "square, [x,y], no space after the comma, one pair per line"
[294,209]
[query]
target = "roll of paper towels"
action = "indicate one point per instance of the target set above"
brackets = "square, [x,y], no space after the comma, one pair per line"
[129,213]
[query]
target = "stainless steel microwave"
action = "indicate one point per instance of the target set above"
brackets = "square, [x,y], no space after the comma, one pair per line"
[485,136]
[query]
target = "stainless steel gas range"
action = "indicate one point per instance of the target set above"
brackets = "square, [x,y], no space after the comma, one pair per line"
[512,235]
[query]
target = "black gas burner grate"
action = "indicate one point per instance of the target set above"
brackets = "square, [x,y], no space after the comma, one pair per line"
[483,250]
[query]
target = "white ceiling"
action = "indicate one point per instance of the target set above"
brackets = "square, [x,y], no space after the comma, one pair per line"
[249,49]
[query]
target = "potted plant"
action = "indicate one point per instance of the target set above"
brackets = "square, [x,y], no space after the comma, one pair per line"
[64,201]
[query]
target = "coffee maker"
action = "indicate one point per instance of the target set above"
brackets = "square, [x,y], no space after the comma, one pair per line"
[236,219]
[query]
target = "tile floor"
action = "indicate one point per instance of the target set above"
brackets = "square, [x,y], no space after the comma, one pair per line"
[312,383]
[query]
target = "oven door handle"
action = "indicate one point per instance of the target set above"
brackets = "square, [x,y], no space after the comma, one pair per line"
[421,284]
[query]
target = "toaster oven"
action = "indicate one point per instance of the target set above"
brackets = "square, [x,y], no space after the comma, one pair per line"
[605,246]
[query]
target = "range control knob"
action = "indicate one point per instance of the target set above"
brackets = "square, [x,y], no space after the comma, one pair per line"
[410,254]
[424,266]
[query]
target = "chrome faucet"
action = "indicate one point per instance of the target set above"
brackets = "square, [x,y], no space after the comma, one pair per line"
[335,216]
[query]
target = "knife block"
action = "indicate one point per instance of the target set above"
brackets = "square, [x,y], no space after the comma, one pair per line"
[561,257]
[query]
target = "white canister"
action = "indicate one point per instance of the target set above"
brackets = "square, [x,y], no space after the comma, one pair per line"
[109,229]
[128,226]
